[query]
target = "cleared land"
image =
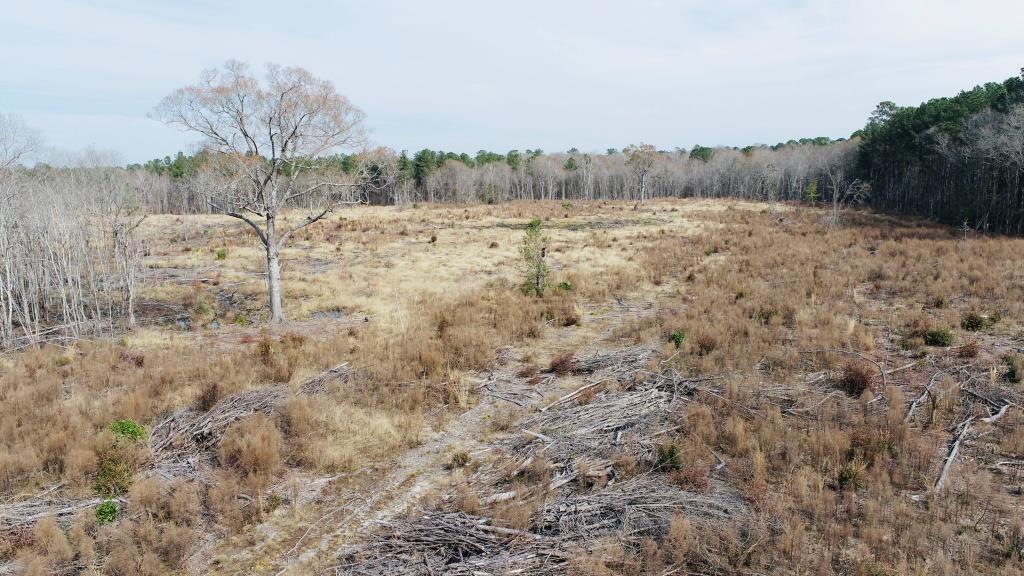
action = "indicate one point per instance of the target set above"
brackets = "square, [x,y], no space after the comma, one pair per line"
[716,387]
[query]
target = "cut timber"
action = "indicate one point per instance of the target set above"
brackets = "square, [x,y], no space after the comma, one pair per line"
[954,448]
[573,394]
[452,543]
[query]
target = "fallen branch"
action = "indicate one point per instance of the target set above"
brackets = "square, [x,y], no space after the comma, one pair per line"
[995,417]
[573,394]
[954,448]
[917,401]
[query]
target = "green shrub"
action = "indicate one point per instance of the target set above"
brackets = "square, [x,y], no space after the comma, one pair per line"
[115,471]
[938,337]
[811,194]
[118,459]
[106,512]
[222,254]
[273,502]
[566,286]
[765,315]
[1014,368]
[668,459]
[852,475]
[203,308]
[972,321]
[128,428]
[677,338]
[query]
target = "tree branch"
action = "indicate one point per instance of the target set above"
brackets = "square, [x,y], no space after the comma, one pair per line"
[255,226]
[309,219]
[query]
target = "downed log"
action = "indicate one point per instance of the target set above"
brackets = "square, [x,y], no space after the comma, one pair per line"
[575,393]
[954,448]
[621,364]
[179,441]
[995,417]
[186,430]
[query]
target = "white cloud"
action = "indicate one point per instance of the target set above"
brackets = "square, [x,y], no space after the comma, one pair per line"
[467,75]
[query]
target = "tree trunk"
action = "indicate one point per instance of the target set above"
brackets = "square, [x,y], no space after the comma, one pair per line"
[273,271]
[274,284]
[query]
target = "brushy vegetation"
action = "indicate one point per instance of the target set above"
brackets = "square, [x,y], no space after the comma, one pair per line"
[106,512]
[128,429]
[1014,368]
[938,337]
[828,473]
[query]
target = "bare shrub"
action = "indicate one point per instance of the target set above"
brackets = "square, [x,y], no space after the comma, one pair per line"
[51,541]
[562,364]
[252,447]
[856,378]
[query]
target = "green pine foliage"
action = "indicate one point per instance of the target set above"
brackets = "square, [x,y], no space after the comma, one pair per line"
[534,252]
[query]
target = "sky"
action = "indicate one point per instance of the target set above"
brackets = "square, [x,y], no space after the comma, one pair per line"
[465,76]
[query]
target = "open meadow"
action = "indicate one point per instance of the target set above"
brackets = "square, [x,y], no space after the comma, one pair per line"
[705,387]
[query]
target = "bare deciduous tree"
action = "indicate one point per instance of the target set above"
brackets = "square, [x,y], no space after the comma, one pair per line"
[70,253]
[17,141]
[265,136]
[844,192]
[641,159]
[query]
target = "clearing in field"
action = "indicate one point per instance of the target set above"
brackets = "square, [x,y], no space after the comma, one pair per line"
[703,387]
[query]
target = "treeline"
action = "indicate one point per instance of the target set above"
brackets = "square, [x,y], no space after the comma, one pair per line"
[70,251]
[957,160]
[381,176]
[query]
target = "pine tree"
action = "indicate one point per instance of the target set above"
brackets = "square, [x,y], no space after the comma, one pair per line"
[534,251]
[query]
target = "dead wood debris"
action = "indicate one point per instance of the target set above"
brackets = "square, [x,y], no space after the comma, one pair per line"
[452,543]
[22,514]
[618,364]
[628,415]
[181,444]
[639,508]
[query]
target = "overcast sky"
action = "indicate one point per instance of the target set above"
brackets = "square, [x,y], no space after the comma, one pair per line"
[500,75]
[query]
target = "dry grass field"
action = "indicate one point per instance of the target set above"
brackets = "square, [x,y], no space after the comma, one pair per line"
[709,387]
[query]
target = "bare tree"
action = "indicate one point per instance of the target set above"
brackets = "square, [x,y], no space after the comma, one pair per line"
[265,135]
[640,160]
[844,192]
[70,253]
[17,141]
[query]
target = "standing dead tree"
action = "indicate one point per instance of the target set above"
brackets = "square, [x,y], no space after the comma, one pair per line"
[267,138]
[844,192]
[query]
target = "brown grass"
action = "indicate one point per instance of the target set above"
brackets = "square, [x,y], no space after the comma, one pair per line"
[760,294]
